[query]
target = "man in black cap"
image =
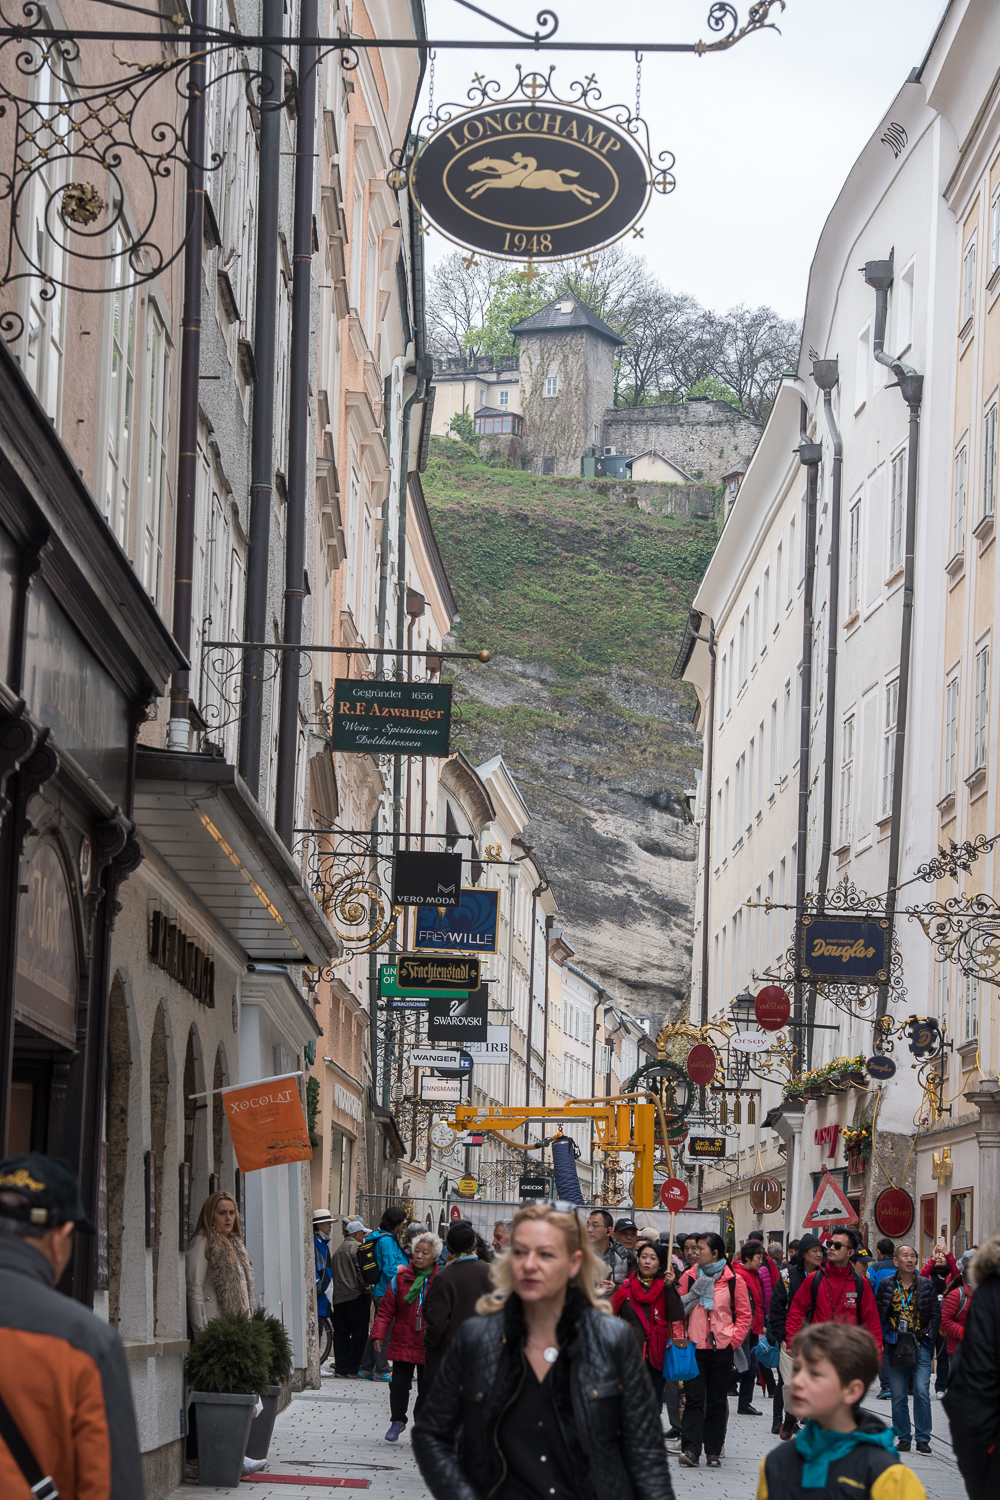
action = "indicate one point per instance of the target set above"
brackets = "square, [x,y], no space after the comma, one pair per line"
[67,1423]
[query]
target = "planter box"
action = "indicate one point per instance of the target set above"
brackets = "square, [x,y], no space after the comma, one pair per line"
[223,1430]
[814,1091]
[261,1427]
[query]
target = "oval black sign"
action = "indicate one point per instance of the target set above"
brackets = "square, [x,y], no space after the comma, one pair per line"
[881,1067]
[530,182]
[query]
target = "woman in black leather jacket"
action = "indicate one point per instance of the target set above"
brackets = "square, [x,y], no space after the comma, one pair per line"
[543,1396]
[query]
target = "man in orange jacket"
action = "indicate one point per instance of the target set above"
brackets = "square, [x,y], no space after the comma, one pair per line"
[67,1423]
[836,1293]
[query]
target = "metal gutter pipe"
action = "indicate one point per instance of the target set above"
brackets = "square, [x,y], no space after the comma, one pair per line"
[262,420]
[709,641]
[878,275]
[179,729]
[298,427]
[810,455]
[826,374]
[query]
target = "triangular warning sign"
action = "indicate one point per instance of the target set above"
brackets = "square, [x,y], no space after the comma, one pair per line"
[829,1206]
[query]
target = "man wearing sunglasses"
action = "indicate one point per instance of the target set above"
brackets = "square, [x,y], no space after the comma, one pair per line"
[836,1293]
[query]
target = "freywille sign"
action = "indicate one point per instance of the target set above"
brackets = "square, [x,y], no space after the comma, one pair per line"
[844,950]
[471,925]
[391,718]
[532,176]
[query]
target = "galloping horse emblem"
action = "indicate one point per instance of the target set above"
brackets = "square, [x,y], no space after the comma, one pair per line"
[523,172]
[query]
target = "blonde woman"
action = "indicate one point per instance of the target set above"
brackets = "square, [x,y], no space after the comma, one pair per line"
[218,1270]
[544,1391]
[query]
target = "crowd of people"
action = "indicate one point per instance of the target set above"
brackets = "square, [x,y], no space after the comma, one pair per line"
[543,1362]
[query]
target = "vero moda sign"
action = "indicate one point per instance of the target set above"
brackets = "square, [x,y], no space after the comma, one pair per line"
[461,1019]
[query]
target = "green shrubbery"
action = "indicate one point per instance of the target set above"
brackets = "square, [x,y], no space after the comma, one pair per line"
[232,1353]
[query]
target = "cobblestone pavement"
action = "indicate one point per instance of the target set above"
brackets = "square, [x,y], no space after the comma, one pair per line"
[339,1431]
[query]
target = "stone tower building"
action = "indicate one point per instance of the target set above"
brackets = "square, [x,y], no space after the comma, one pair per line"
[567,366]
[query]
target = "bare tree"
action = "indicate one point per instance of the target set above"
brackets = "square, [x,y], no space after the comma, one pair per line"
[758,347]
[457,299]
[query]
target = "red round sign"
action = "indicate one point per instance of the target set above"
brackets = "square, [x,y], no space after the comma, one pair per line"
[772,1008]
[456,1212]
[894,1211]
[674,1194]
[701,1064]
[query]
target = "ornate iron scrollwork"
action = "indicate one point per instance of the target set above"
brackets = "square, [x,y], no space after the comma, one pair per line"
[964,930]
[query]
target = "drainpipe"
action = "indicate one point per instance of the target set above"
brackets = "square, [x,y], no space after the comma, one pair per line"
[255,626]
[878,275]
[809,456]
[298,427]
[709,641]
[179,729]
[826,374]
[549,924]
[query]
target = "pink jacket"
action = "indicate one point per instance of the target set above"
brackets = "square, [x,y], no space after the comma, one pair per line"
[719,1320]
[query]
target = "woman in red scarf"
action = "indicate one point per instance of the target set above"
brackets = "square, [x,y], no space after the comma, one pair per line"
[648,1300]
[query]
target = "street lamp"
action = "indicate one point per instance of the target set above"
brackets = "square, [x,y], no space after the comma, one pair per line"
[742,1009]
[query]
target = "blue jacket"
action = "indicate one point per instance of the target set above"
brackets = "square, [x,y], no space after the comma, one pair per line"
[324,1273]
[879,1271]
[389,1256]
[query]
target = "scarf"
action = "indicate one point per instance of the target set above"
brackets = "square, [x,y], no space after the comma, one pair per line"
[713,1272]
[232,1274]
[820,1448]
[419,1277]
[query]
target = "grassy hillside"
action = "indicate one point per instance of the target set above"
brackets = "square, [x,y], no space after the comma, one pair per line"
[582,600]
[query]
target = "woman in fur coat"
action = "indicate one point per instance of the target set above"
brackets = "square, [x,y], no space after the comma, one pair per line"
[218,1270]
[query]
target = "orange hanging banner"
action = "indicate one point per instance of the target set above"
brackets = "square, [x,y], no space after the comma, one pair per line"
[267,1123]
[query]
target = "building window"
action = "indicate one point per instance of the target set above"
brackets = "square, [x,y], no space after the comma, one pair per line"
[889,744]
[968,284]
[791,559]
[756,625]
[846,781]
[741,774]
[503,398]
[970,1019]
[897,506]
[773,765]
[949,767]
[551,385]
[765,605]
[904,310]
[990,462]
[958,506]
[777,586]
[981,709]
[853,559]
[760,766]
[994,234]
[548,466]
[786,728]
[120,396]
[155,467]
[861,369]
[942,974]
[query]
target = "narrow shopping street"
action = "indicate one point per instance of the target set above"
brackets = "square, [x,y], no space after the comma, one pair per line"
[337,1433]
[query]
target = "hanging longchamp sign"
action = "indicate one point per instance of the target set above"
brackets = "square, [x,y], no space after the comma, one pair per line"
[852,950]
[532,176]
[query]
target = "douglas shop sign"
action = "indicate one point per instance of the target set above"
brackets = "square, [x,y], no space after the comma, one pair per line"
[844,950]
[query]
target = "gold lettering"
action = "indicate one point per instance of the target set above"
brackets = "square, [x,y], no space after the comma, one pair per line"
[555,127]
[492,123]
[571,133]
[612,145]
[507,121]
[457,144]
[467,130]
[590,140]
[532,114]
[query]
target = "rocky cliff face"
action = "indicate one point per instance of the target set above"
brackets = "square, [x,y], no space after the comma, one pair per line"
[582,600]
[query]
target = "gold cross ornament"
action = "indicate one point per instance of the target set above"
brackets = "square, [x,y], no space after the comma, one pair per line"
[529,273]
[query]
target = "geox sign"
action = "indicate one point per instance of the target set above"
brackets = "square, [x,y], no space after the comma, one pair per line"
[533,176]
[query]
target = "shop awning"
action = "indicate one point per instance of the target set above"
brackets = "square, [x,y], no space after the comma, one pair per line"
[199,816]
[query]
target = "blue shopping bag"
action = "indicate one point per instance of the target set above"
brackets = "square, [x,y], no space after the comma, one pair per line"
[767,1354]
[681,1362]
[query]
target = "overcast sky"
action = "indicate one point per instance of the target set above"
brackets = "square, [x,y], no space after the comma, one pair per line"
[764,134]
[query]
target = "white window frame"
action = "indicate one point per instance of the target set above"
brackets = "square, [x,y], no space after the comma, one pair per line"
[990,462]
[904,308]
[897,510]
[846,780]
[791,559]
[551,385]
[120,391]
[958,503]
[968,283]
[981,708]
[862,367]
[854,558]
[503,398]
[970,1008]
[949,756]
[890,717]
[994,260]
[765,605]
[156,408]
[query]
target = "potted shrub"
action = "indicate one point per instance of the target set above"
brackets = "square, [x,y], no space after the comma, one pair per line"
[279,1370]
[227,1368]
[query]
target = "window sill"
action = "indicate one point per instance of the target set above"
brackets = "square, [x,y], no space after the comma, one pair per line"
[965,332]
[844,849]
[955,567]
[859,409]
[976,782]
[992,288]
[967,1052]
[946,807]
[895,576]
[884,826]
[984,532]
[852,620]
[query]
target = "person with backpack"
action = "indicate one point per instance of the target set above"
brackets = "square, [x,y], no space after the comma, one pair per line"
[909,1313]
[379,1258]
[955,1310]
[648,1300]
[351,1301]
[401,1316]
[718,1315]
[837,1293]
[808,1257]
[749,1268]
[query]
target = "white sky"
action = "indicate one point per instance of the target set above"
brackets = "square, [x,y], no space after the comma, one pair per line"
[764,134]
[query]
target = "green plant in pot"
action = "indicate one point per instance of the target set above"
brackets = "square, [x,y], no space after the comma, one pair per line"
[279,1371]
[227,1368]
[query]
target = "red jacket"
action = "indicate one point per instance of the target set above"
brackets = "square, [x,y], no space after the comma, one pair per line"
[950,1262]
[836,1302]
[755,1289]
[953,1321]
[406,1341]
[649,1309]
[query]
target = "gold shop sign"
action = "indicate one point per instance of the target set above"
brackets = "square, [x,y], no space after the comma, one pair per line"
[530,176]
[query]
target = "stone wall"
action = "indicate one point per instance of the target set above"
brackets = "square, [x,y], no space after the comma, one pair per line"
[561,427]
[697,502]
[707,438]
